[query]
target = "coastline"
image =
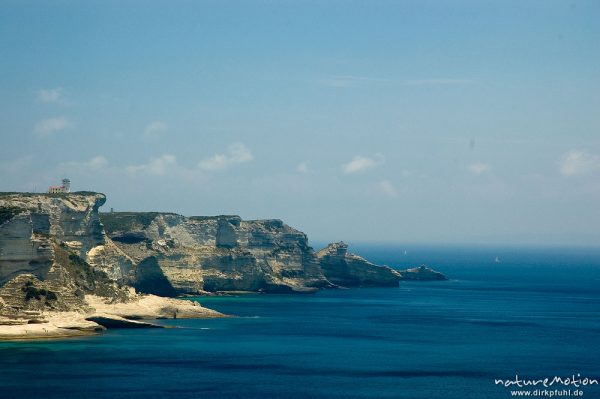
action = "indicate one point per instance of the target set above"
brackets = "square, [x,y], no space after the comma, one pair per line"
[104,315]
[56,325]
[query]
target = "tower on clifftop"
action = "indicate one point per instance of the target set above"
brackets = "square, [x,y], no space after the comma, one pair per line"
[66,183]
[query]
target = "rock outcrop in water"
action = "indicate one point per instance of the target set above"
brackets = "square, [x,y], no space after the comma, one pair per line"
[422,273]
[349,270]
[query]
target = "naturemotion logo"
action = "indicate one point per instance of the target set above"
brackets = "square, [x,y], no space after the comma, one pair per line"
[541,384]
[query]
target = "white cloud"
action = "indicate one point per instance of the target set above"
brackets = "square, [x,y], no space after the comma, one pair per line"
[18,164]
[386,187]
[343,81]
[236,153]
[97,162]
[157,166]
[155,129]
[47,127]
[51,96]
[349,80]
[438,82]
[407,173]
[575,163]
[93,164]
[478,168]
[302,167]
[361,164]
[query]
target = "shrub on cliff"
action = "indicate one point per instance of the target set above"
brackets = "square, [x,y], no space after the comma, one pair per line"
[8,212]
[31,292]
[128,221]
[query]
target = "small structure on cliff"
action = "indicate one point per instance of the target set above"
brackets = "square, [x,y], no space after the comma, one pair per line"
[65,188]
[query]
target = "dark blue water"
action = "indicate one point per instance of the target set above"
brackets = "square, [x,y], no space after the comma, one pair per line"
[535,313]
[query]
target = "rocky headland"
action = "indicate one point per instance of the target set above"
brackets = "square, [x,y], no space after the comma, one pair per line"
[48,287]
[349,270]
[66,269]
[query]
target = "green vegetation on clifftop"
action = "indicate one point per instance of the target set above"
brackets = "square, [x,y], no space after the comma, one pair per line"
[128,221]
[8,212]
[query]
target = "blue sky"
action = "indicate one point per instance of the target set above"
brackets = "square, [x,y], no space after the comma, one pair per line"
[399,121]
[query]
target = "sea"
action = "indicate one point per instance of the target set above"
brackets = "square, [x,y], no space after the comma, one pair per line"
[506,315]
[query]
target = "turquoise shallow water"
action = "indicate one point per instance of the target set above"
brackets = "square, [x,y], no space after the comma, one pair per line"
[536,313]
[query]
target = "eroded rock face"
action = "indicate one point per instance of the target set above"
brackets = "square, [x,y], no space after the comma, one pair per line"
[169,254]
[180,255]
[57,252]
[43,250]
[26,238]
[23,249]
[54,255]
[349,270]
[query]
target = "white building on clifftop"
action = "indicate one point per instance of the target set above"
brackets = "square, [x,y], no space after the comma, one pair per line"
[65,188]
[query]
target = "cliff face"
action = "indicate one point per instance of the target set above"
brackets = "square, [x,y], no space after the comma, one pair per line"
[350,270]
[47,243]
[44,241]
[172,254]
[58,254]
[36,222]
[169,254]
